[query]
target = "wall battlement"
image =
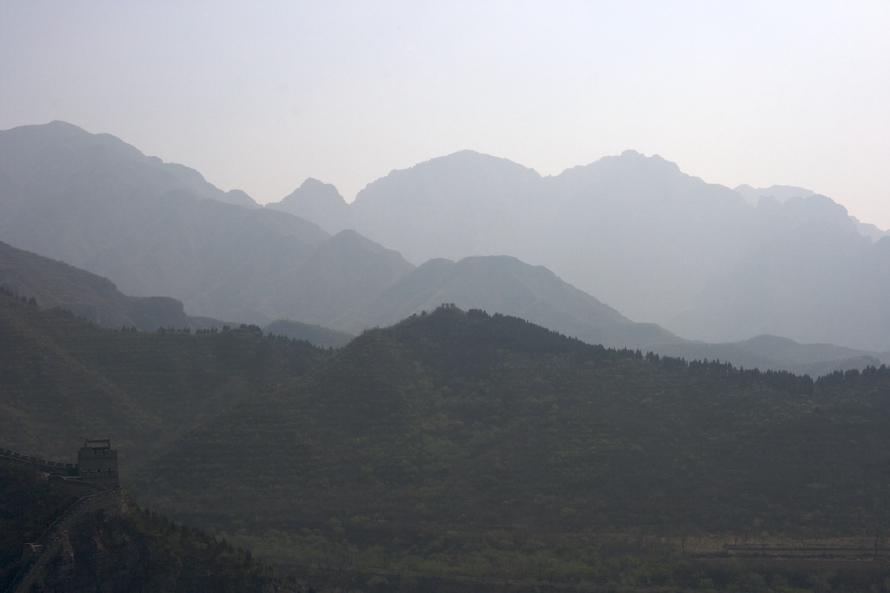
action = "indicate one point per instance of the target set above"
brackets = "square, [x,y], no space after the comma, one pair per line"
[44,465]
[96,463]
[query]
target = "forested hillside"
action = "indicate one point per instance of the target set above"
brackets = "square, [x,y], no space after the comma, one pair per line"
[429,447]
[135,551]
[470,425]
[63,379]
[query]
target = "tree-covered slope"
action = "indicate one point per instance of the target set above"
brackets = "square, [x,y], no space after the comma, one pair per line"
[453,444]
[458,421]
[772,352]
[63,379]
[314,334]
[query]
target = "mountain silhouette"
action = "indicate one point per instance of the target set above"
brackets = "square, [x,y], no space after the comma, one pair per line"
[152,228]
[703,260]
[53,284]
[319,202]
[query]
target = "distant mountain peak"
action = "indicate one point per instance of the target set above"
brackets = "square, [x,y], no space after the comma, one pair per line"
[467,160]
[318,202]
[779,193]
[55,127]
[349,236]
[240,198]
[654,160]
[312,191]
[50,147]
[629,162]
[769,340]
[467,153]
[59,124]
[318,187]
[58,130]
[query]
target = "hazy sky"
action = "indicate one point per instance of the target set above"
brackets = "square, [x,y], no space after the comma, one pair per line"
[260,95]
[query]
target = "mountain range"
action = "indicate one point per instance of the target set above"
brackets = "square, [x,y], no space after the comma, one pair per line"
[63,378]
[97,203]
[494,283]
[83,199]
[705,261]
[506,285]
[152,229]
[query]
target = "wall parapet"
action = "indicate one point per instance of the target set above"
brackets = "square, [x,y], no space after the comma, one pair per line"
[45,465]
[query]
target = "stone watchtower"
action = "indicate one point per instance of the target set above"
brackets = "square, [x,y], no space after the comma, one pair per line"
[97,463]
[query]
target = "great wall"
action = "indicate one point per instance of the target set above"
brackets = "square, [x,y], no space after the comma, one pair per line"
[44,465]
[96,464]
[96,474]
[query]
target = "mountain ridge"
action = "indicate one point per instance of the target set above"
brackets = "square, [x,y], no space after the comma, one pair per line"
[99,204]
[653,241]
[504,284]
[56,284]
[496,284]
[664,247]
[319,202]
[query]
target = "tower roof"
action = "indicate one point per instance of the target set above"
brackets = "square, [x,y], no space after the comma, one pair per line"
[97,444]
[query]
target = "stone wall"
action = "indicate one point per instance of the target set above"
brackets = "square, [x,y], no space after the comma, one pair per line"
[44,465]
